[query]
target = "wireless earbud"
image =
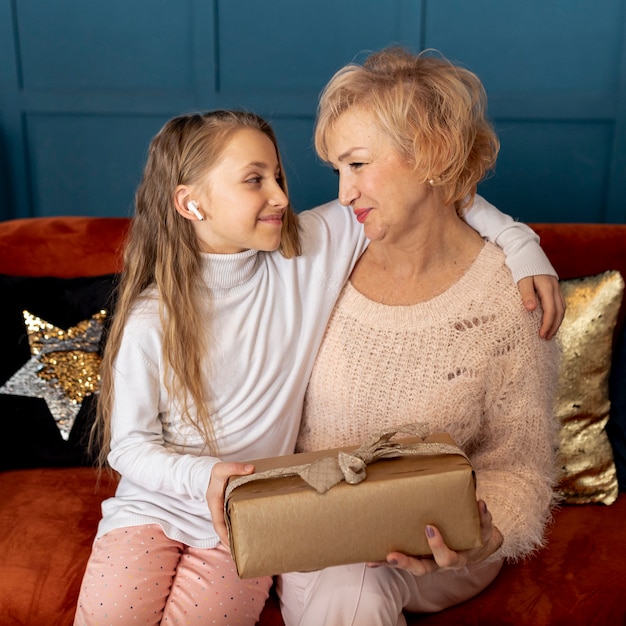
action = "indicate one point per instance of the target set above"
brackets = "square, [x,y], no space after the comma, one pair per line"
[192,205]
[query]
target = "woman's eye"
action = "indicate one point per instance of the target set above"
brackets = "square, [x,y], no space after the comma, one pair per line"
[253,179]
[356,165]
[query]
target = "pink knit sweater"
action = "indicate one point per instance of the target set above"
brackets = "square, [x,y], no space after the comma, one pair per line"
[469,362]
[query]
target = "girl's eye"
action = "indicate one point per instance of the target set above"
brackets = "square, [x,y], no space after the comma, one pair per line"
[356,165]
[254,179]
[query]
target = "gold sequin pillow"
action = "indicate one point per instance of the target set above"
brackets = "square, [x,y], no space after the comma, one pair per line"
[586,336]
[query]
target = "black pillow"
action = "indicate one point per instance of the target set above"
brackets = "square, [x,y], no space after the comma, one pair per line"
[31,437]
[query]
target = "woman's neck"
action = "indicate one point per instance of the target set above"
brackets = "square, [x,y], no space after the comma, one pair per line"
[424,264]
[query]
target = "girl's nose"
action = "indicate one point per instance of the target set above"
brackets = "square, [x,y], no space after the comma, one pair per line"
[278,197]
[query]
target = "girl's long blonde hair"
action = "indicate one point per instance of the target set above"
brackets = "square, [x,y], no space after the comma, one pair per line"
[163,251]
[433,112]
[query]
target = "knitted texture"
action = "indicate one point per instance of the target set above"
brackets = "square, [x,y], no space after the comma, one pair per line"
[469,362]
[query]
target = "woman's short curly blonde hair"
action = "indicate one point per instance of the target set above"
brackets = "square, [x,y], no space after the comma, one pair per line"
[432,111]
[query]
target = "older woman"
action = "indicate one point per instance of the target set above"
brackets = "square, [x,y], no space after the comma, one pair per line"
[430,328]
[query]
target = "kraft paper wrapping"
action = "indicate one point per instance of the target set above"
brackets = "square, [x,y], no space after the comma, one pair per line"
[281,524]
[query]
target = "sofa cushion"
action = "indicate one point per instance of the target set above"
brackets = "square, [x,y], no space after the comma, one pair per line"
[577,581]
[46,404]
[62,246]
[582,404]
[48,519]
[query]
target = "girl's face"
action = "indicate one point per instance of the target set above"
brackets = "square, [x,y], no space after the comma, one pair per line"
[379,185]
[242,202]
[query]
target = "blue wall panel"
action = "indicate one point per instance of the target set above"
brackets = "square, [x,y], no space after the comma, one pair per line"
[532,46]
[554,76]
[547,171]
[299,44]
[5,172]
[87,164]
[84,86]
[114,45]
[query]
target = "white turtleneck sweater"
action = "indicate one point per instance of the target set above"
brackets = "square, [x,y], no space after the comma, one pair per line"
[266,317]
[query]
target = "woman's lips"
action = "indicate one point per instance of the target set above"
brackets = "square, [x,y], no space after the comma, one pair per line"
[361,214]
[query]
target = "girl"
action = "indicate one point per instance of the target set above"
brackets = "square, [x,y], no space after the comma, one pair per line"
[221,309]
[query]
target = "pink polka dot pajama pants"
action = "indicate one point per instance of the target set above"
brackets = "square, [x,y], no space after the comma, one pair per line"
[137,575]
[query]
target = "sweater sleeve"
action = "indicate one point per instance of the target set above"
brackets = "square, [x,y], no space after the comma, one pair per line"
[519,242]
[515,459]
[332,236]
[138,448]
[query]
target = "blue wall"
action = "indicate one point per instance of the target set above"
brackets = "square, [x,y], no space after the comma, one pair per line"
[85,85]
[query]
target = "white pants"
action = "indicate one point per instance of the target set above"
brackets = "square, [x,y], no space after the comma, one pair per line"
[356,595]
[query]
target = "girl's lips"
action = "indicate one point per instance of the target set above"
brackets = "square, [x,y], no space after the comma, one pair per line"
[361,214]
[272,219]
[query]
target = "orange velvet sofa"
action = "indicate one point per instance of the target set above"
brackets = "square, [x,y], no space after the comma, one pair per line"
[49,514]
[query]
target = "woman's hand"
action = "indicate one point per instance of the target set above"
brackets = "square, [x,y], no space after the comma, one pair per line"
[547,289]
[220,474]
[443,557]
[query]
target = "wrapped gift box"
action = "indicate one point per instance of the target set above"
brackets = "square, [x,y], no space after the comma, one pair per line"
[281,523]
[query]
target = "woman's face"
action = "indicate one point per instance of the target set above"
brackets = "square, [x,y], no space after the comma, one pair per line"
[241,199]
[378,184]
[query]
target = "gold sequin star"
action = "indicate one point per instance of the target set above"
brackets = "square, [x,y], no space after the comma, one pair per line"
[63,368]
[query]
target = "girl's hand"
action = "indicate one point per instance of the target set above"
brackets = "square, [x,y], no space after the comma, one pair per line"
[547,289]
[443,557]
[220,474]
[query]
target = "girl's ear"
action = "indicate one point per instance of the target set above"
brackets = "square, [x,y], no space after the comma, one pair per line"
[182,196]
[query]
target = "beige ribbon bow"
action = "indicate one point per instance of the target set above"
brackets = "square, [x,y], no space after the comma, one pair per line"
[329,471]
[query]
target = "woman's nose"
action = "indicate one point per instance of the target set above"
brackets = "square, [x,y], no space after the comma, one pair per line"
[347,191]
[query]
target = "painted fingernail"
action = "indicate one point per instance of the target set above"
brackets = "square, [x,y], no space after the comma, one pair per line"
[430,532]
